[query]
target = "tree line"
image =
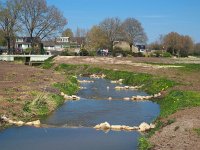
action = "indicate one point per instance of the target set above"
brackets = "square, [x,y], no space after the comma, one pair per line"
[176,44]
[32,18]
[110,30]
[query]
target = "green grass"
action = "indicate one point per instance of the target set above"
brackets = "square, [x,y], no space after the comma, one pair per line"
[177,100]
[69,87]
[48,63]
[43,103]
[144,144]
[152,84]
[190,67]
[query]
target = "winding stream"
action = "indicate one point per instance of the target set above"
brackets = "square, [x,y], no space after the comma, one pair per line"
[70,127]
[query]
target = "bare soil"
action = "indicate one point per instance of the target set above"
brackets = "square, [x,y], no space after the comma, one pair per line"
[179,135]
[17,81]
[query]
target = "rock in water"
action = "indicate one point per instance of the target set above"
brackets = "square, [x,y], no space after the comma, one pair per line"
[144,127]
[116,127]
[103,126]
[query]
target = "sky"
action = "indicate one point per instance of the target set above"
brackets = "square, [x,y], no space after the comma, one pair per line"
[158,17]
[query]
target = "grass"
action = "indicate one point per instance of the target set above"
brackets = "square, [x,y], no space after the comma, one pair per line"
[69,87]
[144,144]
[43,103]
[151,84]
[48,63]
[177,100]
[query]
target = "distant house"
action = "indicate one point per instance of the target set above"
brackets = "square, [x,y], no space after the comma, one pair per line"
[25,42]
[125,46]
[141,48]
[62,43]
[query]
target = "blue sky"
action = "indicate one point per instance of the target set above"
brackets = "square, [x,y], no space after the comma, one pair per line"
[157,16]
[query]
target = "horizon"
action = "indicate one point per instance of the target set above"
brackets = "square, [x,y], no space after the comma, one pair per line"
[157,17]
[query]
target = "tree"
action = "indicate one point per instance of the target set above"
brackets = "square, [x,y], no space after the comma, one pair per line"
[2,39]
[68,33]
[187,46]
[9,14]
[41,21]
[172,42]
[197,49]
[133,32]
[177,44]
[111,27]
[96,38]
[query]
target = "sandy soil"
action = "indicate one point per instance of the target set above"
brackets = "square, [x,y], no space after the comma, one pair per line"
[179,135]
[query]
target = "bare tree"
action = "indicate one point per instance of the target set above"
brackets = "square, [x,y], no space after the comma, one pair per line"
[111,27]
[41,21]
[9,13]
[133,32]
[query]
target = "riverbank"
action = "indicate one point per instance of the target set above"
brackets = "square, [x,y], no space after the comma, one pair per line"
[180,97]
[28,93]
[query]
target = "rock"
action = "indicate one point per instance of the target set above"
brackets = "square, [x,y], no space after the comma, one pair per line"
[29,123]
[152,126]
[11,122]
[66,97]
[74,97]
[62,94]
[103,126]
[97,126]
[126,87]
[20,123]
[109,98]
[126,98]
[128,128]
[36,123]
[116,127]
[5,118]
[144,127]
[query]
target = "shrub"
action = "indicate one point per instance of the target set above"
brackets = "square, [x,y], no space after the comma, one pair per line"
[167,54]
[84,52]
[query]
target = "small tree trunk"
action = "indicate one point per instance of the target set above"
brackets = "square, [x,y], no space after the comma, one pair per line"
[131,45]
[8,44]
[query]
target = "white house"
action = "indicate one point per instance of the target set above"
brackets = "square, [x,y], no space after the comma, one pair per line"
[59,44]
[25,42]
[62,43]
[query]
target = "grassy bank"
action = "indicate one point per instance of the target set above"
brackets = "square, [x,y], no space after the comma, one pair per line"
[151,84]
[44,103]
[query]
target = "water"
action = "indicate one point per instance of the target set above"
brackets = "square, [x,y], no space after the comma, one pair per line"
[70,126]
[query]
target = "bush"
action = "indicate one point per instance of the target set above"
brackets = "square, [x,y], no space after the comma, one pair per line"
[167,54]
[28,50]
[84,52]
[140,54]
[119,51]
[66,52]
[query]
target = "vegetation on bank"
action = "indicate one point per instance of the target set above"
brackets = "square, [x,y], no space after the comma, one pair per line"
[43,102]
[151,84]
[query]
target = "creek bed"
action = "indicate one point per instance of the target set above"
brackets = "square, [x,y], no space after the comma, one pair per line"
[70,126]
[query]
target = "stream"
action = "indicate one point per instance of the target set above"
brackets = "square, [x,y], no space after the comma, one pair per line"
[70,127]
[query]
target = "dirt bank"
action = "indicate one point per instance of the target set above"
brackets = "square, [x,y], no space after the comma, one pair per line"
[17,84]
